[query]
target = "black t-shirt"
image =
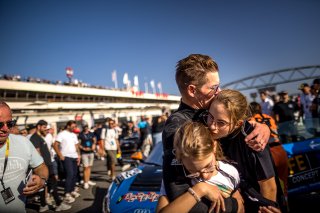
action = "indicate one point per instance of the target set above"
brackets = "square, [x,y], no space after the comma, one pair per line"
[158,127]
[316,102]
[97,133]
[86,140]
[285,111]
[39,143]
[252,166]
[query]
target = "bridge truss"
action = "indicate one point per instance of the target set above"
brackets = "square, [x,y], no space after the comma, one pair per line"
[274,78]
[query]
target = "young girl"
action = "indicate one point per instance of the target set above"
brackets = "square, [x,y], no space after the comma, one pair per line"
[203,162]
[227,120]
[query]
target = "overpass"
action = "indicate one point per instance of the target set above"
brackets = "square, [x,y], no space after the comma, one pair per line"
[271,79]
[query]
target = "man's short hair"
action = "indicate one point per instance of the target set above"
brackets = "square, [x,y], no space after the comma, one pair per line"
[193,70]
[70,122]
[263,93]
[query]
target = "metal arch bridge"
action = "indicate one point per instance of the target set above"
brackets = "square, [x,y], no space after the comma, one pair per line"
[274,78]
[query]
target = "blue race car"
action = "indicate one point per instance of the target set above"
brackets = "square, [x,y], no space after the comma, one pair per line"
[137,190]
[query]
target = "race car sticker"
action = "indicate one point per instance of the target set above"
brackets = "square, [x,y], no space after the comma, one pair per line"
[139,196]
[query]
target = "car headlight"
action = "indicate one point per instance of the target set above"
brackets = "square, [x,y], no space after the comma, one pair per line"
[106,200]
[106,205]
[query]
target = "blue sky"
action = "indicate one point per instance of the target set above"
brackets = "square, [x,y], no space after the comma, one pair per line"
[146,38]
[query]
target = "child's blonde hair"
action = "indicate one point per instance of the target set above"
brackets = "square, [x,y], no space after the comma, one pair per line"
[195,140]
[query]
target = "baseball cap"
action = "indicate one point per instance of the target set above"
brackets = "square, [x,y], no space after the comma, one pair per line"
[283,92]
[30,126]
[316,81]
[42,123]
[303,85]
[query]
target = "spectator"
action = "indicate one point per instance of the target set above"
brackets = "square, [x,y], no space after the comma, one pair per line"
[284,115]
[31,130]
[87,147]
[157,128]
[306,99]
[100,142]
[18,154]
[129,130]
[40,144]
[266,103]
[23,132]
[316,106]
[49,138]
[112,147]
[67,148]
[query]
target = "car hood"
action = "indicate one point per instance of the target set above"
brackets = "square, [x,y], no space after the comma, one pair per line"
[136,190]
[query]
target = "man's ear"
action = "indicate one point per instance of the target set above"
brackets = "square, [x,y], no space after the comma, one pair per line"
[191,90]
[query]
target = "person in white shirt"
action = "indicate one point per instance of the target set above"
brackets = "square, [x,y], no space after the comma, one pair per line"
[266,103]
[306,99]
[111,145]
[67,148]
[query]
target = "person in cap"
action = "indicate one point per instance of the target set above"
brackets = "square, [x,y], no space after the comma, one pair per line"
[306,99]
[284,115]
[38,140]
[23,131]
[31,128]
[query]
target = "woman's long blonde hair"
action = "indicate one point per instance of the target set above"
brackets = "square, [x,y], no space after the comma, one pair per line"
[237,106]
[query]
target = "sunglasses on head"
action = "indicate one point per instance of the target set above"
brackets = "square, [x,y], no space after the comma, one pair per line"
[9,124]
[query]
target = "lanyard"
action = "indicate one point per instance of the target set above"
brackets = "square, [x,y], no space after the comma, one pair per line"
[5,161]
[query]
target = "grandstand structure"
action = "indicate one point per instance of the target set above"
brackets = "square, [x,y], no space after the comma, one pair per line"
[57,103]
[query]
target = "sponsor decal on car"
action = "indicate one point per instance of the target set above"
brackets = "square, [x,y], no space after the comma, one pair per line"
[139,196]
[142,211]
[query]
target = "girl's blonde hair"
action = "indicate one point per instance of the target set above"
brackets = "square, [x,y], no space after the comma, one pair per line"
[194,139]
[237,106]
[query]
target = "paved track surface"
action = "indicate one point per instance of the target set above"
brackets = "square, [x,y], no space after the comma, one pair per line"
[90,199]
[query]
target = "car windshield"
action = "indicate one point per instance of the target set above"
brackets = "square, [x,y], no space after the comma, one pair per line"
[299,130]
[155,156]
